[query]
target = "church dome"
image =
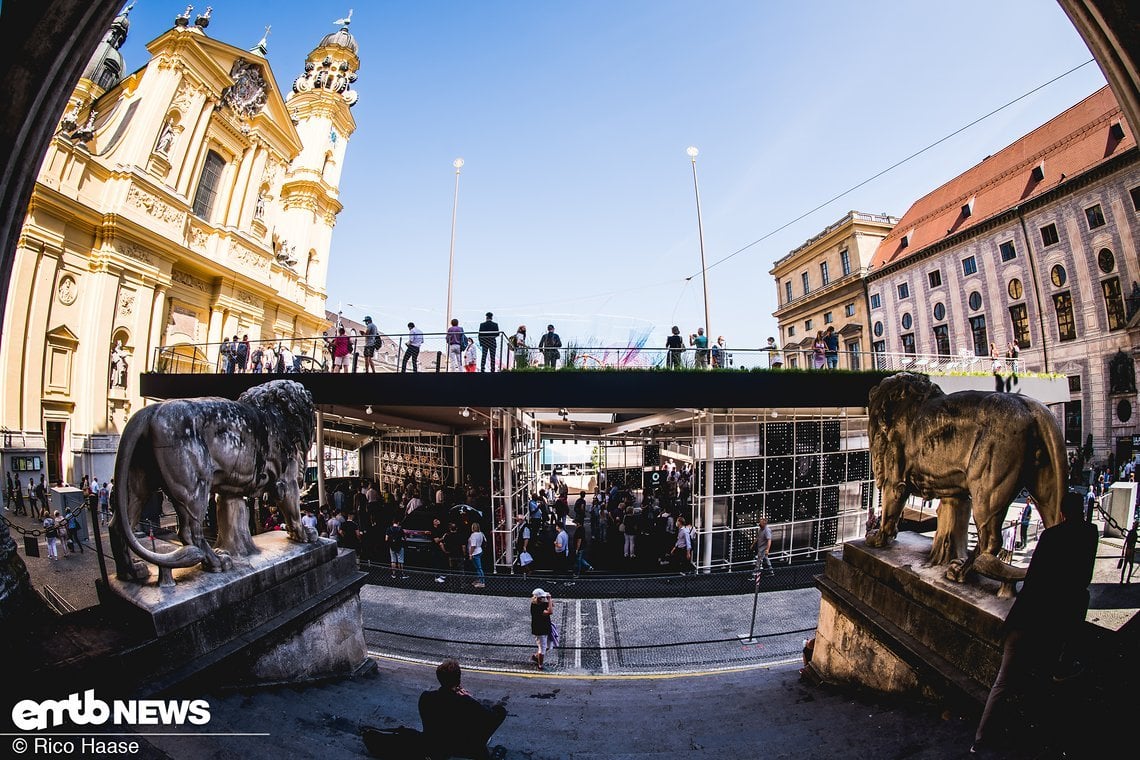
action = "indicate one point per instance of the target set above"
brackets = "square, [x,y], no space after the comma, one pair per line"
[340,38]
[106,66]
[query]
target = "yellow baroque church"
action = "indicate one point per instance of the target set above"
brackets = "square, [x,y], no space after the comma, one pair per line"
[178,205]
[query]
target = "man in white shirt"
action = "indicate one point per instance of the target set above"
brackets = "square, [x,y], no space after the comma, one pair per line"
[562,551]
[415,340]
[309,522]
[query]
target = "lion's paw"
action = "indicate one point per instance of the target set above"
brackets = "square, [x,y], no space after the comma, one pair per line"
[135,571]
[957,571]
[878,539]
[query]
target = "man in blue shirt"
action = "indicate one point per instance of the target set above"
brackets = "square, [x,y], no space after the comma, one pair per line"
[831,347]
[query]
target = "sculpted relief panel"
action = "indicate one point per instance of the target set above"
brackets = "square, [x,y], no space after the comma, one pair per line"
[190,280]
[154,207]
[249,260]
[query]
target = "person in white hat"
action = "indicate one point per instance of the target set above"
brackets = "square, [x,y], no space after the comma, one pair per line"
[541,612]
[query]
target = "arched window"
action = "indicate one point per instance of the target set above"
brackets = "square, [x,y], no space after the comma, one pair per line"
[208,185]
[109,75]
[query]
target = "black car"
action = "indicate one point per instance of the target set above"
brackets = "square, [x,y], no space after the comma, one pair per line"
[419,548]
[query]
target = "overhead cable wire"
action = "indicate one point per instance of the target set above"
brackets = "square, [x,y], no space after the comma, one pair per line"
[892,167]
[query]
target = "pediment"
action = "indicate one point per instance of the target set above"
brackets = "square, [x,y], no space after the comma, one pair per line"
[62,336]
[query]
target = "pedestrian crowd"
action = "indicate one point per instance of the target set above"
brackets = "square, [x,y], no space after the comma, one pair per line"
[64,530]
[467,352]
[418,522]
[613,528]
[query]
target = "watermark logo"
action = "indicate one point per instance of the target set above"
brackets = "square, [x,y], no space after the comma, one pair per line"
[88,710]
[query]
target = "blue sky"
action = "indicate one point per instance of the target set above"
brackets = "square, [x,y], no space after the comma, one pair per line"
[576,200]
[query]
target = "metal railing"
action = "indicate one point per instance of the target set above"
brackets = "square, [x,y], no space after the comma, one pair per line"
[434,354]
[391,353]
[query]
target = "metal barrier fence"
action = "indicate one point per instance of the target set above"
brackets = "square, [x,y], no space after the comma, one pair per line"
[597,586]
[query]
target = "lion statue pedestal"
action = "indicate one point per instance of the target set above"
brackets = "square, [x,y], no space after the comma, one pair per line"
[290,613]
[891,623]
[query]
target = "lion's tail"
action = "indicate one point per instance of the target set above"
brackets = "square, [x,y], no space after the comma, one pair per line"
[135,434]
[1052,478]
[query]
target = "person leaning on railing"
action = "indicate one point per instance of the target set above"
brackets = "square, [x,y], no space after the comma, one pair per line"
[675,346]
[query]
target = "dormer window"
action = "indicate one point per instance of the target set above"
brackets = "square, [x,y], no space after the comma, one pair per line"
[968,208]
[1038,172]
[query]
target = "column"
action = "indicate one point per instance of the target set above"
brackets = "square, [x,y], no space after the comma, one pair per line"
[154,338]
[707,507]
[322,498]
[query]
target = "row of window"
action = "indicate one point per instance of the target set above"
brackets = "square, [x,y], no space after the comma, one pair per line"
[824,276]
[1057,275]
[1019,318]
[828,318]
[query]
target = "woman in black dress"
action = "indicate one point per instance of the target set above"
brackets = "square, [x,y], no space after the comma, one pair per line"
[541,609]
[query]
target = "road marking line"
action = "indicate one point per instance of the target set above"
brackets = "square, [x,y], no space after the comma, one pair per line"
[602,640]
[578,633]
[654,675]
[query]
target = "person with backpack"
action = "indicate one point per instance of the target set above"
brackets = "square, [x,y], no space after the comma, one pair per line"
[550,344]
[394,537]
[517,343]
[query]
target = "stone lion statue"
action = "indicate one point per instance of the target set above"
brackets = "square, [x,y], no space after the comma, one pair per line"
[974,451]
[192,448]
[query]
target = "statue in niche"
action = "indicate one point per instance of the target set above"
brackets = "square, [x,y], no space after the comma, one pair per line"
[972,450]
[1121,374]
[118,366]
[193,449]
[1133,300]
[259,207]
[165,139]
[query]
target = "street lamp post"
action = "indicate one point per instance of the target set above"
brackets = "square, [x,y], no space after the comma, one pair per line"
[707,511]
[692,152]
[458,164]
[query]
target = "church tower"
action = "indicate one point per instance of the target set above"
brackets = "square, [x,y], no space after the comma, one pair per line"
[319,105]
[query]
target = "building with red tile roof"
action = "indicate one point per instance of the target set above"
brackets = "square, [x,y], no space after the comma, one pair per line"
[1030,252]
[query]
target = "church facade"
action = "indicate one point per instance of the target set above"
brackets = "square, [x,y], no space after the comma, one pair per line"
[179,205]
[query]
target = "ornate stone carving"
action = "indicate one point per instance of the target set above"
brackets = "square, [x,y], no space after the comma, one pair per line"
[154,207]
[247,95]
[190,280]
[126,303]
[247,298]
[183,99]
[130,250]
[196,237]
[248,259]
[67,290]
[271,172]
[165,139]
